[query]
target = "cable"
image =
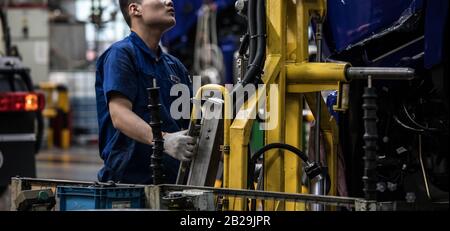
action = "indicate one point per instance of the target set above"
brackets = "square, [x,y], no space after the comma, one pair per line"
[406,126]
[416,123]
[255,69]
[244,45]
[424,174]
[252,29]
[288,147]
[312,169]
[257,65]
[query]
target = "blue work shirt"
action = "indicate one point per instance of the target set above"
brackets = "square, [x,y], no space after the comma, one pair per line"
[128,68]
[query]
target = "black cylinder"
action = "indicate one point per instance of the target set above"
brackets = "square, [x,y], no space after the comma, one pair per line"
[158,141]
[370,140]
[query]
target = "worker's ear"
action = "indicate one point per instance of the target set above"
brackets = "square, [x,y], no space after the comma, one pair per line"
[135,9]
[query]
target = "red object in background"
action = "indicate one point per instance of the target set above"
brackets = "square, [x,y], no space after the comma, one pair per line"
[21,102]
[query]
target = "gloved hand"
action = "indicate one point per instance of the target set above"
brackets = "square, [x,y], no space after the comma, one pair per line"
[179,145]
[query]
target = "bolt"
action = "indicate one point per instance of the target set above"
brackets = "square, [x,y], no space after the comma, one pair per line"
[410,197]
[381,186]
[392,186]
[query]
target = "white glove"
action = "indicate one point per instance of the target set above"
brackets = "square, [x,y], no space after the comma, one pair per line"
[179,145]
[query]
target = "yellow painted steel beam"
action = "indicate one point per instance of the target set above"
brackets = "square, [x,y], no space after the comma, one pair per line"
[272,69]
[240,132]
[311,87]
[294,136]
[316,73]
[273,160]
[331,148]
[291,33]
[240,137]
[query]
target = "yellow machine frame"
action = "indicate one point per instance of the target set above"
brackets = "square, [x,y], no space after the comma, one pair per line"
[297,79]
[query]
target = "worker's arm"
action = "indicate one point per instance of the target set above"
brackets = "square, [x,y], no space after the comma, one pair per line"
[126,121]
[178,145]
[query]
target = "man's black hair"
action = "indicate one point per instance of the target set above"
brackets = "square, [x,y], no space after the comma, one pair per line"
[124,8]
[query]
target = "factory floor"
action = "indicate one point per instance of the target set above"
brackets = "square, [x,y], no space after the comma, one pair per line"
[79,163]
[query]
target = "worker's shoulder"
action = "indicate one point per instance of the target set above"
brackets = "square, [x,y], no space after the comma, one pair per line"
[122,46]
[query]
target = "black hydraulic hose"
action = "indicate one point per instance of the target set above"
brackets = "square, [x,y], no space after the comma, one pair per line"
[252,29]
[312,169]
[244,45]
[158,141]
[256,65]
[255,69]
[288,147]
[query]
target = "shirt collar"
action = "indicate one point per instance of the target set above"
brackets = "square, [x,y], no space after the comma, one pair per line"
[136,40]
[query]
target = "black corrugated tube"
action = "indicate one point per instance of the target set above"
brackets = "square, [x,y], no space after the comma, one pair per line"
[371,146]
[158,141]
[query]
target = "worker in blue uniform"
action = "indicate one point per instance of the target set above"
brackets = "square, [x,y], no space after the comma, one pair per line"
[124,72]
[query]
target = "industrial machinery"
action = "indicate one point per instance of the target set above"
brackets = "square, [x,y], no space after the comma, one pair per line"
[379,140]
[387,159]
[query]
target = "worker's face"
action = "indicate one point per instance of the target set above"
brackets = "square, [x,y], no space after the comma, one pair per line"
[158,13]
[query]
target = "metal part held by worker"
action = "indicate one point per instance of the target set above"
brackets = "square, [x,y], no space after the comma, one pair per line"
[183,172]
[158,141]
[370,139]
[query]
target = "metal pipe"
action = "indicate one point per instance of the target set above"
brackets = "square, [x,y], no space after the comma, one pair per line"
[318,186]
[393,73]
[265,195]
